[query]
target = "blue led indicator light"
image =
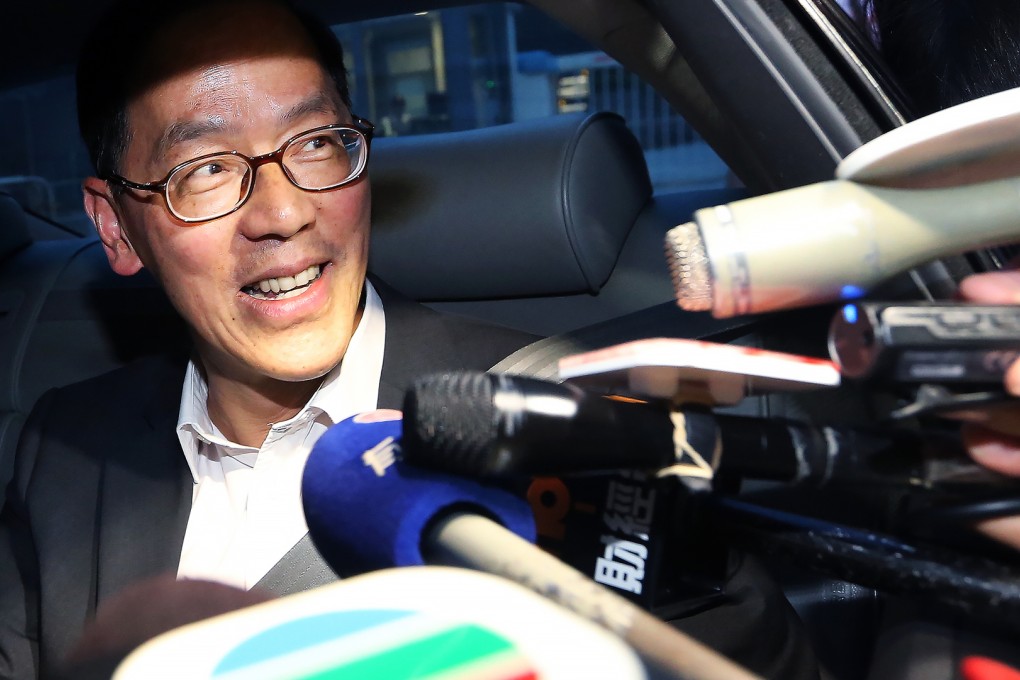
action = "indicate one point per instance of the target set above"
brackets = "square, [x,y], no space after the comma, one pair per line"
[849,292]
[850,313]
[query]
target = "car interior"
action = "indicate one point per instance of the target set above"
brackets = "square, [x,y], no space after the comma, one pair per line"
[552,225]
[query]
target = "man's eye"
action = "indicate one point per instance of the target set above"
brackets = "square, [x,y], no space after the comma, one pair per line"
[207,169]
[322,146]
[206,176]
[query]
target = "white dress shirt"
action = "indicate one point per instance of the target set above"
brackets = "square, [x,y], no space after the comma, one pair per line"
[246,504]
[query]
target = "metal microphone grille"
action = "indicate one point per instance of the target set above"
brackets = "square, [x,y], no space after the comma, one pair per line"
[449,422]
[689,267]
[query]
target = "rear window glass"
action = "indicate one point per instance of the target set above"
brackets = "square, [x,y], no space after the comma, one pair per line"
[476,66]
[453,69]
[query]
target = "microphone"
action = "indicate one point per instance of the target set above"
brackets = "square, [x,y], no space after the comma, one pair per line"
[940,185]
[365,506]
[829,241]
[367,511]
[486,426]
[489,425]
[434,622]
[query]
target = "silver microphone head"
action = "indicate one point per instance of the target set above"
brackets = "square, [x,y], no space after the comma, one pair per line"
[689,267]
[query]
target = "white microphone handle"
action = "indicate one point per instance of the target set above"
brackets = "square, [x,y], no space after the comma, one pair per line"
[477,542]
[834,240]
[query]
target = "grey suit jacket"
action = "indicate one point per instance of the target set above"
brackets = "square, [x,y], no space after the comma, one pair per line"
[101,491]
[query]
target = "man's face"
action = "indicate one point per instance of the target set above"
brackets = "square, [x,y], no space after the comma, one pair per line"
[212,271]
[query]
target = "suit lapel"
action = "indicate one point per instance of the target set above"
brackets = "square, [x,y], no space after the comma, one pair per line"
[420,341]
[414,346]
[145,494]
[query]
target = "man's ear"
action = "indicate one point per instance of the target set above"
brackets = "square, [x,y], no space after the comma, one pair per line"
[101,209]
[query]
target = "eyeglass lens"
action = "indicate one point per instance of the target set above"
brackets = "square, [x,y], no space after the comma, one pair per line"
[214,186]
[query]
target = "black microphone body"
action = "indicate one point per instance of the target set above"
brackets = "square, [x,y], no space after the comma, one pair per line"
[492,425]
[951,492]
[482,425]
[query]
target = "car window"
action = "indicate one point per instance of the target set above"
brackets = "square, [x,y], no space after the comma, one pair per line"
[44,159]
[453,69]
[476,66]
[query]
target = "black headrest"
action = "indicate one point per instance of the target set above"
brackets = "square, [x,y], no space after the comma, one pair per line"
[541,207]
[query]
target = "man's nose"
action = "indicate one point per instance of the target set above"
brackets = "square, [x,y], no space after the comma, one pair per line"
[276,206]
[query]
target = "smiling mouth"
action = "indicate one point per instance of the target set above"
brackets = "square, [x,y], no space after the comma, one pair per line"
[283,287]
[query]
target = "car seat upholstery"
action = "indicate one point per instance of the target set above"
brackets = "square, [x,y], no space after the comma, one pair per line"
[14,237]
[14,227]
[544,213]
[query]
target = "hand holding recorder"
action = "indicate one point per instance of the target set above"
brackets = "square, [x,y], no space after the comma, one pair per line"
[993,436]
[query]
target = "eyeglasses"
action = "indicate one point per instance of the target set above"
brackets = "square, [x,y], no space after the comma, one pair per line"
[217,184]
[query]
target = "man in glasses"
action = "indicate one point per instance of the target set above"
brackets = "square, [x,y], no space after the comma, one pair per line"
[230,165]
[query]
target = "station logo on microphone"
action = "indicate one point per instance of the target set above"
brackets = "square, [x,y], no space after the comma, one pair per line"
[632,532]
[375,644]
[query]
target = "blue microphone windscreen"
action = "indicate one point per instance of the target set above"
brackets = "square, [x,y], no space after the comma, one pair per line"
[366,509]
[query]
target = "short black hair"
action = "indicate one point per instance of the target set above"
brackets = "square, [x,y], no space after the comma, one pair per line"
[112,70]
[946,52]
